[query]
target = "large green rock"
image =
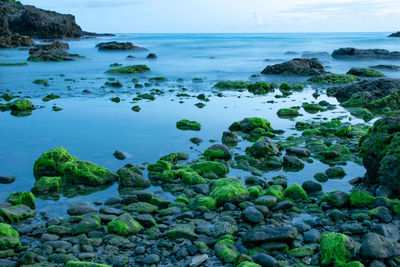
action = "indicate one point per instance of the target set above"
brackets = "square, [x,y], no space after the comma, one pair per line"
[58,162]
[124,225]
[229,190]
[26,198]
[380,151]
[337,249]
[9,238]
[182,231]
[17,213]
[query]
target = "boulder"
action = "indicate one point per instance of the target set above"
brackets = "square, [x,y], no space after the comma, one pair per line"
[270,234]
[297,66]
[15,40]
[375,246]
[51,52]
[379,150]
[119,46]
[350,52]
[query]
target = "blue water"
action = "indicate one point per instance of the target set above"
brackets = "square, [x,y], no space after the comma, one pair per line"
[92,127]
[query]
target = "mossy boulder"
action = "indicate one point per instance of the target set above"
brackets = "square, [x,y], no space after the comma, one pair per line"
[263,148]
[225,251]
[380,151]
[229,190]
[17,213]
[182,231]
[295,192]
[47,185]
[276,191]
[361,198]
[210,169]
[260,88]
[132,177]
[9,238]
[333,78]
[337,249]
[206,202]
[141,207]
[43,82]
[22,105]
[133,69]
[365,72]
[249,124]
[88,224]
[231,85]
[288,113]
[217,151]
[248,264]
[26,198]
[188,125]
[124,225]
[58,162]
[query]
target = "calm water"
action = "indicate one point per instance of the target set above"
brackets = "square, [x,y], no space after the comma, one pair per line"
[92,127]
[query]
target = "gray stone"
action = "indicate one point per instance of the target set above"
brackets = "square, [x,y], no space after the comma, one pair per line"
[375,246]
[253,215]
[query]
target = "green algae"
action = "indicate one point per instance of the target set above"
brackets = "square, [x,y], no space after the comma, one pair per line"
[288,113]
[85,264]
[124,225]
[43,82]
[337,249]
[188,125]
[295,192]
[229,190]
[210,168]
[133,69]
[26,198]
[225,251]
[361,198]
[231,85]
[333,78]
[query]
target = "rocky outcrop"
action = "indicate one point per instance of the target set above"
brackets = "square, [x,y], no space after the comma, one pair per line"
[381,155]
[381,93]
[119,46]
[297,66]
[396,34]
[39,23]
[20,23]
[51,52]
[351,52]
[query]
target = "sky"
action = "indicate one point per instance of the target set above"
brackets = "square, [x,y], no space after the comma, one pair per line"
[229,16]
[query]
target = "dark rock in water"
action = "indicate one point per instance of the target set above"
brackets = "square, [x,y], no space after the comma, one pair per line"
[39,23]
[395,34]
[119,155]
[297,66]
[119,46]
[230,139]
[369,93]
[51,52]
[292,162]
[80,208]
[218,151]
[252,215]
[7,179]
[351,52]
[270,234]
[386,67]
[298,151]
[375,246]
[151,56]
[379,151]
[94,34]
[311,186]
[16,40]
[265,260]
[196,140]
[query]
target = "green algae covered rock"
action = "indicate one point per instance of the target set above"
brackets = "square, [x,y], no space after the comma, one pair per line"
[301,252]
[58,162]
[206,202]
[85,264]
[124,225]
[380,151]
[295,192]
[337,249]
[47,185]
[365,72]
[361,198]
[9,238]
[276,191]
[22,105]
[248,264]
[333,78]
[248,124]
[229,190]
[134,69]
[231,85]
[87,224]
[210,169]
[264,147]
[260,88]
[188,125]
[225,251]
[17,213]
[288,113]
[182,231]
[141,207]
[26,198]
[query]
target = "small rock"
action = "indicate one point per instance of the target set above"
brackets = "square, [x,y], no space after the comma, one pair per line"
[119,155]
[7,179]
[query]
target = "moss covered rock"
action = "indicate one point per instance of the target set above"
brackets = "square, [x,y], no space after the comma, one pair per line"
[47,185]
[22,105]
[225,251]
[380,151]
[264,147]
[231,85]
[58,162]
[295,192]
[288,113]
[182,231]
[124,225]
[361,198]
[210,169]
[333,78]
[249,124]
[9,238]
[229,190]
[132,177]
[85,264]
[129,69]
[188,125]
[337,249]
[26,198]
[365,72]
[17,213]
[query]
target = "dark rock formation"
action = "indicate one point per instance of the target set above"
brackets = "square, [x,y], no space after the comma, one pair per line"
[386,67]
[119,46]
[15,40]
[51,52]
[396,34]
[380,153]
[39,23]
[351,52]
[297,66]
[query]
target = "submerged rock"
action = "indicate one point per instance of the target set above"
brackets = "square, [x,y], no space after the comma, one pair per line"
[365,72]
[299,66]
[51,52]
[15,40]
[395,34]
[119,46]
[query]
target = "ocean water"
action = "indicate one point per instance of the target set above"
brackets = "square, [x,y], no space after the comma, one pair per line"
[92,127]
